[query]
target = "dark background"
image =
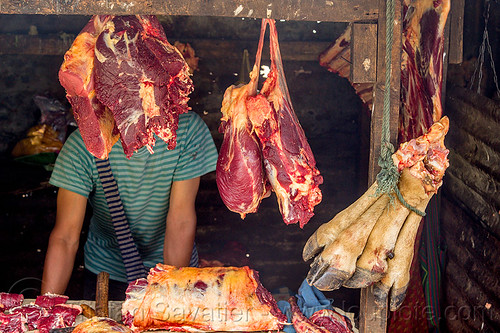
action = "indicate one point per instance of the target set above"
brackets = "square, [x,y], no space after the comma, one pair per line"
[335,124]
[326,105]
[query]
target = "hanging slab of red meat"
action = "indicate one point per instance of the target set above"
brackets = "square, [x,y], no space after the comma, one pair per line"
[77,76]
[266,131]
[143,79]
[200,299]
[125,80]
[421,66]
[240,174]
[289,161]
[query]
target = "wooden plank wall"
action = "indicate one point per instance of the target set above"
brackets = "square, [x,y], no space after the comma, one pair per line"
[312,10]
[470,214]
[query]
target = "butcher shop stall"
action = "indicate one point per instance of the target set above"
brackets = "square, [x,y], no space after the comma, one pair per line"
[227,165]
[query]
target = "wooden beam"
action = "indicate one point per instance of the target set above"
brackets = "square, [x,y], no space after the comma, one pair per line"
[373,318]
[364,53]
[35,45]
[311,10]
[456,41]
[205,48]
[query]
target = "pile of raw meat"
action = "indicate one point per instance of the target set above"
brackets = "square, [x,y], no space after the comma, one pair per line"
[125,81]
[47,312]
[264,146]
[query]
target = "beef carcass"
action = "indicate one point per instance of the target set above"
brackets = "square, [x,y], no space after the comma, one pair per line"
[207,299]
[77,76]
[124,80]
[240,174]
[421,66]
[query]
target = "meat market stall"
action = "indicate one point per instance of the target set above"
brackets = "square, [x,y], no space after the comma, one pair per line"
[366,57]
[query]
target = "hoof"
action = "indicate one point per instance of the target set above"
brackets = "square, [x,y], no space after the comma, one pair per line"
[362,278]
[397,297]
[311,248]
[331,279]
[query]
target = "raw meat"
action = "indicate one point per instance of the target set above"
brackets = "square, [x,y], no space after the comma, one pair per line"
[288,159]
[48,311]
[421,66]
[331,320]
[77,76]
[337,59]
[49,300]
[301,323]
[208,299]
[8,301]
[240,174]
[101,325]
[134,295]
[32,314]
[53,320]
[263,129]
[143,79]
[12,323]
[322,321]
[68,312]
[124,80]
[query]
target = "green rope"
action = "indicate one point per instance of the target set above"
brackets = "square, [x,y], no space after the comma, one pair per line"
[388,177]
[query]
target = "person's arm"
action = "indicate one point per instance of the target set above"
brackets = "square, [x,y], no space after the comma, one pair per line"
[181,222]
[63,241]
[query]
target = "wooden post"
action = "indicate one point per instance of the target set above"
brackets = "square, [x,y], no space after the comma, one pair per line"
[373,318]
[456,39]
[363,53]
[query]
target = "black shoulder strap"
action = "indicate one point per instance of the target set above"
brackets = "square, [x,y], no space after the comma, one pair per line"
[130,255]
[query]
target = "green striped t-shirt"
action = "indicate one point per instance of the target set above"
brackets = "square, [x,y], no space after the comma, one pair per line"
[144,183]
